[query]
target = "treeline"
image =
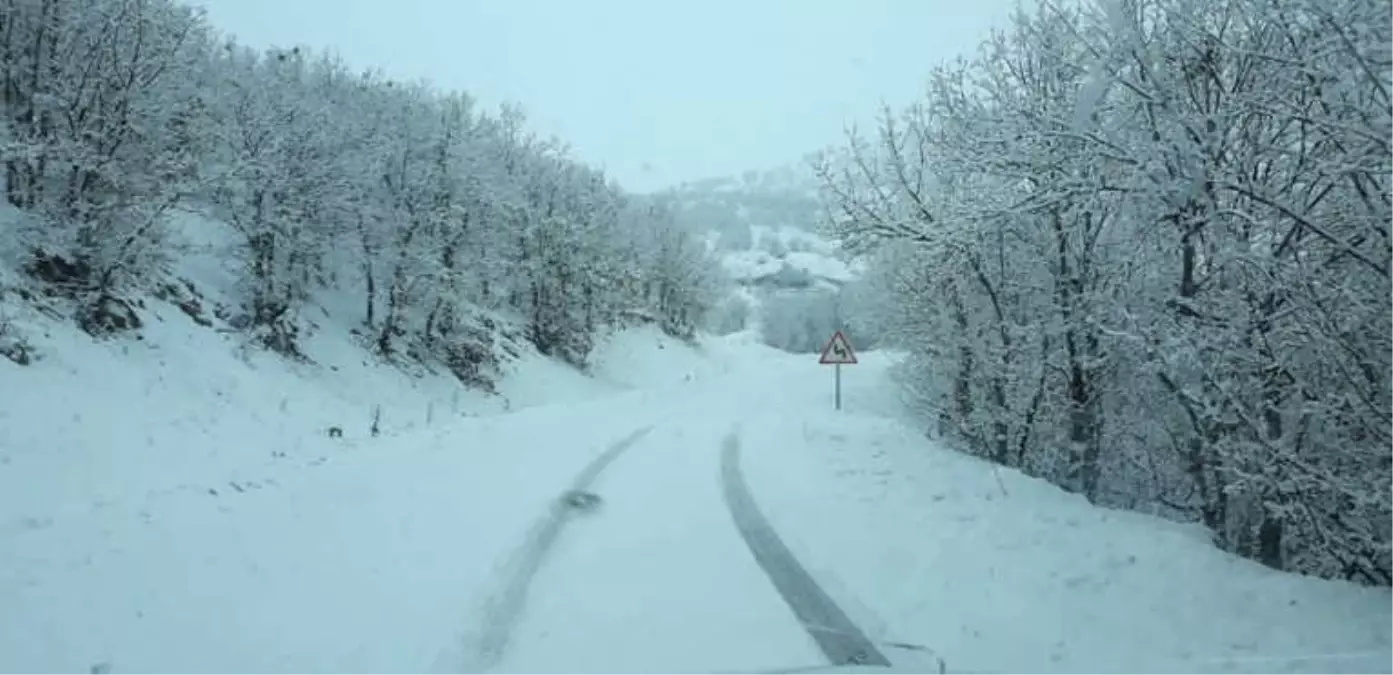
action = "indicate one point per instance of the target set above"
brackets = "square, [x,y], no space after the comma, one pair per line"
[1140,248]
[119,113]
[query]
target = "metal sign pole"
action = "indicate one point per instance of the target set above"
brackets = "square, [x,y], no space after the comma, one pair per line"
[839,386]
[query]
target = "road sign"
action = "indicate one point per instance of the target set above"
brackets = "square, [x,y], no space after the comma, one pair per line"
[838,351]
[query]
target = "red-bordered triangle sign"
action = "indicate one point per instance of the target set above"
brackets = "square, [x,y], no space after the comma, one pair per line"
[838,351]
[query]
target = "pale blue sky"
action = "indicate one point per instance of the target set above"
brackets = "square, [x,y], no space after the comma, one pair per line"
[654,91]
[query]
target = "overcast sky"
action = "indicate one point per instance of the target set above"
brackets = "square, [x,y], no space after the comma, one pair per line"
[654,91]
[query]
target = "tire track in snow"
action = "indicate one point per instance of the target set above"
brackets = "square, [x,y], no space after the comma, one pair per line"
[839,639]
[502,609]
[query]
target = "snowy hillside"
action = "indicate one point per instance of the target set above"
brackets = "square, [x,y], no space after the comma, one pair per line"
[789,278]
[790,286]
[187,407]
[785,257]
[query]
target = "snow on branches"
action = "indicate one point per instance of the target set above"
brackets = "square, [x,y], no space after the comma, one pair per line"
[446,220]
[1141,248]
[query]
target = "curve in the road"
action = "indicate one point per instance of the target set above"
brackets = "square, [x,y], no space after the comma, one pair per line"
[502,609]
[839,639]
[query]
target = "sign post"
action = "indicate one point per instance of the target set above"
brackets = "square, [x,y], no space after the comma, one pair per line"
[837,353]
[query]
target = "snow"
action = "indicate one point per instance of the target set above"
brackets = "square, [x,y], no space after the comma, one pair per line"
[661,563]
[188,512]
[178,407]
[999,572]
[365,563]
[799,249]
[792,238]
[168,504]
[751,265]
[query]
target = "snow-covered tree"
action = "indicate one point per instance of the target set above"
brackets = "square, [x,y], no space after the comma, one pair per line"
[279,177]
[1140,248]
[448,221]
[102,109]
[680,278]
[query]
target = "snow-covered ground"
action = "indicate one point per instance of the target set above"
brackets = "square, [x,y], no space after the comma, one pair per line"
[167,505]
[998,572]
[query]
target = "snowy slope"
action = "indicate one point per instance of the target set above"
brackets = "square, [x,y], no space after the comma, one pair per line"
[789,280]
[763,222]
[181,404]
[774,248]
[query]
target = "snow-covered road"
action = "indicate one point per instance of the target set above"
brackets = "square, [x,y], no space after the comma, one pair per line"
[657,578]
[840,640]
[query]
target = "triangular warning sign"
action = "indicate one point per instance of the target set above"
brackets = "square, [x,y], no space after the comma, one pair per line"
[838,351]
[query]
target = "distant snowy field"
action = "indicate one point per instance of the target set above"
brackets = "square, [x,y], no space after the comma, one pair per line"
[167,504]
[797,248]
